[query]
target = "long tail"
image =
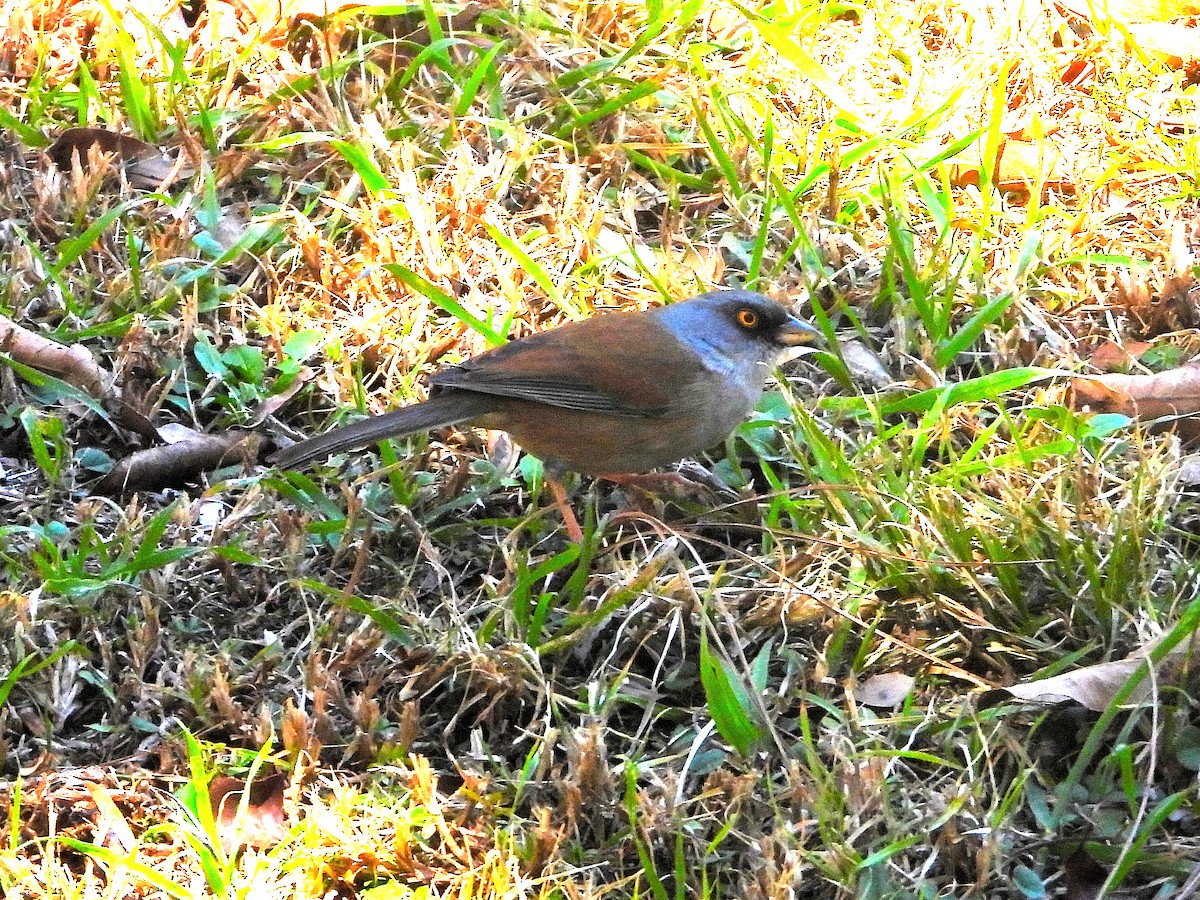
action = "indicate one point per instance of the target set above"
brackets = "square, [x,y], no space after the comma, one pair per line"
[449,408]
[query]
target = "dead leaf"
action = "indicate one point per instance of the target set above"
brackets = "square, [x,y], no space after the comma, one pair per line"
[1126,11]
[1019,166]
[1093,686]
[75,366]
[111,826]
[1079,71]
[177,433]
[275,402]
[1189,470]
[1023,164]
[1175,392]
[262,824]
[864,365]
[1157,308]
[145,165]
[1172,43]
[886,690]
[171,465]
[1113,357]
[787,608]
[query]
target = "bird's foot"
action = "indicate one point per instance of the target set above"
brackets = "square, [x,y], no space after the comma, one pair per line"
[686,482]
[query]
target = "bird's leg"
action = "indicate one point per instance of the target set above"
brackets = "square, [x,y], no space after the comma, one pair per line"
[553,472]
[559,493]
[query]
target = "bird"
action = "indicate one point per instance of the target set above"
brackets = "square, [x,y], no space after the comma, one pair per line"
[615,395]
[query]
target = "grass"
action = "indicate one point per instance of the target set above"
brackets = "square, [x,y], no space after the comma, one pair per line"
[452,699]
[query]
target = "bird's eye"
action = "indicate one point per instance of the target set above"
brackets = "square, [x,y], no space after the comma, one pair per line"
[747,318]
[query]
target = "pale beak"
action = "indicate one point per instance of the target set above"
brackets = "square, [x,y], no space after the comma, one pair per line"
[794,333]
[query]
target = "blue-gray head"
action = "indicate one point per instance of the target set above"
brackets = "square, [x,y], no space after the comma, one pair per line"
[737,323]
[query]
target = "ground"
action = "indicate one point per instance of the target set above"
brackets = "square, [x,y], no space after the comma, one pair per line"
[789,683]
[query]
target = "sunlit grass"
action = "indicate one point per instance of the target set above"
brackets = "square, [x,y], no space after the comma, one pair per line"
[671,708]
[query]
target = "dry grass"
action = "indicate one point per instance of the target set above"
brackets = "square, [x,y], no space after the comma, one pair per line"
[463,703]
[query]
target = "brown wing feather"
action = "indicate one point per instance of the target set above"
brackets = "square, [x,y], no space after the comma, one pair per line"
[621,363]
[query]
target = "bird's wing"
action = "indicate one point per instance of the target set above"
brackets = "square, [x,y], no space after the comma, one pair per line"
[553,391]
[611,364]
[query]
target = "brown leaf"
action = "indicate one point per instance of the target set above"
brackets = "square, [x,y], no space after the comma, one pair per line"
[1023,164]
[263,824]
[1079,71]
[1094,686]
[275,402]
[159,467]
[1019,166]
[1091,686]
[73,364]
[145,165]
[865,366]
[1175,392]
[1113,357]
[112,828]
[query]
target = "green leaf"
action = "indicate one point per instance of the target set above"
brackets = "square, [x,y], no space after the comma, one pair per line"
[483,69]
[302,344]
[247,360]
[1103,424]
[629,96]
[208,357]
[138,101]
[1029,882]
[29,135]
[728,702]
[113,860]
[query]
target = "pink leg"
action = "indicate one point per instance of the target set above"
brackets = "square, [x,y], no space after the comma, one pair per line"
[559,493]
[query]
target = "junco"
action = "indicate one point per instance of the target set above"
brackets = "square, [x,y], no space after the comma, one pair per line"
[614,395]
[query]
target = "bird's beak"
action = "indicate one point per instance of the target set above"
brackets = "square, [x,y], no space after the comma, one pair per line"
[794,333]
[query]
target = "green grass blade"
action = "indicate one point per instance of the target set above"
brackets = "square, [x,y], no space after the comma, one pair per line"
[360,160]
[728,703]
[985,387]
[114,860]
[535,270]
[444,301]
[72,249]
[484,69]
[967,335]
[782,41]
[581,120]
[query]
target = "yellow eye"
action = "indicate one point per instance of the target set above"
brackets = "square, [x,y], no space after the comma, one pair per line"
[747,318]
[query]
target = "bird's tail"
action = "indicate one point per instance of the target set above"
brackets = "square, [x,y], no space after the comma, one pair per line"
[449,408]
